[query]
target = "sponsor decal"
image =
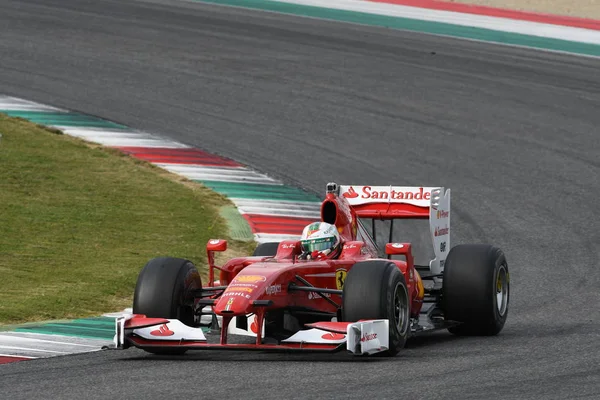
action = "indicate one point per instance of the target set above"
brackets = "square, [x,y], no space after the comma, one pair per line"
[162,331]
[254,327]
[236,294]
[240,289]
[368,336]
[312,229]
[214,241]
[330,229]
[229,304]
[249,278]
[420,288]
[288,246]
[441,231]
[315,295]
[350,194]
[244,285]
[340,277]
[369,193]
[442,214]
[333,336]
[350,246]
[273,289]
[443,247]
[397,245]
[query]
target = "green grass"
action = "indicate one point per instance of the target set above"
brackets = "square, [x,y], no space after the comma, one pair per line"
[78,222]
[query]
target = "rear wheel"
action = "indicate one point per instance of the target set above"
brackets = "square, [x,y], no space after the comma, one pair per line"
[377,290]
[164,289]
[476,289]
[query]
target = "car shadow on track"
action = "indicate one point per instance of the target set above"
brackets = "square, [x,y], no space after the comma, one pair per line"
[254,356]
[424,341]
[431,339]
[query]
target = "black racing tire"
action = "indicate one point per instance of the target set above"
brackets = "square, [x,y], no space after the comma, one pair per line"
[476,290]
[164,290]
[377,290]
[266,249]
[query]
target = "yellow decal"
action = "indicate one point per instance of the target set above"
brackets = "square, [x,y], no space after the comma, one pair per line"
[249,278]
[229,303]
[239,289]
[340,277]
[420,288]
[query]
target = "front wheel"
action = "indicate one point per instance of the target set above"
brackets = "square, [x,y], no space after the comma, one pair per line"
[164,289]
[476,288]
[377,290]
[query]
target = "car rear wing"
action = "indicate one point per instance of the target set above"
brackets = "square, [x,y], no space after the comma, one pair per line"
[390,202]
[403,202]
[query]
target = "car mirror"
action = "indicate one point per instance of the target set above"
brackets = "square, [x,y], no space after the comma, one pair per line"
[216,245]
[404,249]
[398,248]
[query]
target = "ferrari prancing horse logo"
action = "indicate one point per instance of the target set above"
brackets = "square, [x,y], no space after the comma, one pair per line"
[340,277]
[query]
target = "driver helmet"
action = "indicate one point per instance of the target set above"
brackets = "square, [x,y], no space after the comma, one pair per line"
[320,240]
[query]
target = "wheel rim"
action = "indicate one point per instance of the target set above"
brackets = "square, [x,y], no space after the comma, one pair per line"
[502,290]
[401,308]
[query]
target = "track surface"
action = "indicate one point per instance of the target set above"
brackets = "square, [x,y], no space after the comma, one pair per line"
[513,132]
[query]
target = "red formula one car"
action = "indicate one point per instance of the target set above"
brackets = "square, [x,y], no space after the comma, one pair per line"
[368,299]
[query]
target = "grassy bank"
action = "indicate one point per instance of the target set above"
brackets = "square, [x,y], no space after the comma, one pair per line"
[78,222]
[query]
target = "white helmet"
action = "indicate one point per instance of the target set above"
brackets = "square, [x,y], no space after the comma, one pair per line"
[320,237]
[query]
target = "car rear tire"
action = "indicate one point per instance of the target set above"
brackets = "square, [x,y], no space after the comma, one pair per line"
[377,290]
[476,289]
[266,249]
[164,290]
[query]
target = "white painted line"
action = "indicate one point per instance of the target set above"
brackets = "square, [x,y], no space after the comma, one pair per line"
[299,209]
[12,355]
[29,349]
[310,206]
[126,139]
[23,107]
[18,337]
[270,210]
[450,17]
[185,168]
[221,174]
[16,104]
[117,142]
[104,137]
[91,134]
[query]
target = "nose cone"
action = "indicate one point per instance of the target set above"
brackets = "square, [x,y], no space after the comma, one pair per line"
[239,295]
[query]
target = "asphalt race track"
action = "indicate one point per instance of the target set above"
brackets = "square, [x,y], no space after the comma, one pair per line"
[513,132]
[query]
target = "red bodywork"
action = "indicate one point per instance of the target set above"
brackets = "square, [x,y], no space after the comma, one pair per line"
[265,280]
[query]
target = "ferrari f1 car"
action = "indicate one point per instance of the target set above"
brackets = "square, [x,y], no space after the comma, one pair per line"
[369,300]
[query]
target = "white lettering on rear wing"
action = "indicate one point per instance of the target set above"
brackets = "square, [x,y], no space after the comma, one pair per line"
[439,225]
[417,196]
